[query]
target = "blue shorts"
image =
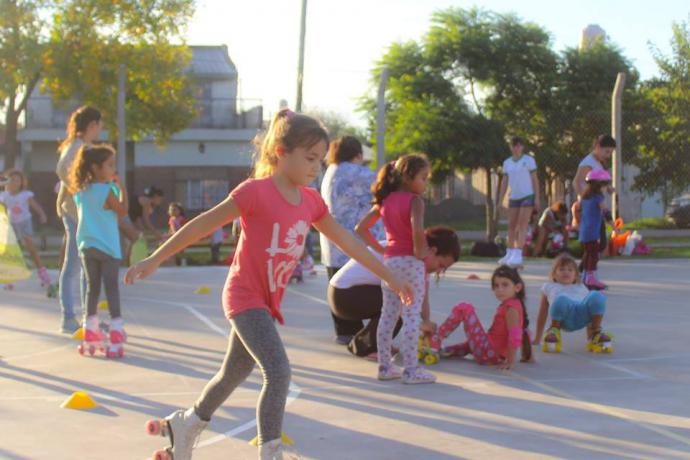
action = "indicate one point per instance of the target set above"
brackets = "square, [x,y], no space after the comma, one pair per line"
[574,315]
[525,202]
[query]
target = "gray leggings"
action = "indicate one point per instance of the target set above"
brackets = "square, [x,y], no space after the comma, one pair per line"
[254,339]
[100,268]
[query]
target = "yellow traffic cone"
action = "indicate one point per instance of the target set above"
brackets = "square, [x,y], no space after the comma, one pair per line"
[103,305]
[203,290]
[78,334]
[287,440]
[79,400]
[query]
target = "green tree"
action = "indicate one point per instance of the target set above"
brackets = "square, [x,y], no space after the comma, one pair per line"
[336,123]
[507,69]
[664,128]
[21,28]
[77,53]
[581,107]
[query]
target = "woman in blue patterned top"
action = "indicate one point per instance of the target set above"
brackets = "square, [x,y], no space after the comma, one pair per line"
[346,189]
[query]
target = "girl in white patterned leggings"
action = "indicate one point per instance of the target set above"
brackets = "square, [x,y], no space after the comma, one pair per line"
[398,201]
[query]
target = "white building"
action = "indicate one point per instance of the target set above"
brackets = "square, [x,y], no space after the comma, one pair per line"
[198,165]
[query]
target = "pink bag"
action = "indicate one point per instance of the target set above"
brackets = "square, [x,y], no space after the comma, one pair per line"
[642,249]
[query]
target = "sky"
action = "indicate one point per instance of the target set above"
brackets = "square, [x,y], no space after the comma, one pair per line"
[345,37]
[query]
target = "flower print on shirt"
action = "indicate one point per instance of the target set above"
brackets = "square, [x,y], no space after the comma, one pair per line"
[279,273]
[295,239]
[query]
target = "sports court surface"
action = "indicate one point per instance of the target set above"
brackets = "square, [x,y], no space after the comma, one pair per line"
[633,404]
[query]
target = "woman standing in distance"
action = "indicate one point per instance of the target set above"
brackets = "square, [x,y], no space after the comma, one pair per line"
[521,170]
[83,128]
[346,189]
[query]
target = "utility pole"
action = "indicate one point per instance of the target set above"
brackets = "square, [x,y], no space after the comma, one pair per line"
[121,134]
[300,65]
[381,120]
[617,133]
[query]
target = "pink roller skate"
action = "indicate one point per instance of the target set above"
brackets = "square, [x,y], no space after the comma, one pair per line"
[93,341]
[593,283]
[115,349]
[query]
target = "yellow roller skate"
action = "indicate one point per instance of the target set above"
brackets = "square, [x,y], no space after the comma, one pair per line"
[552,341]
[601,342]
[426,352]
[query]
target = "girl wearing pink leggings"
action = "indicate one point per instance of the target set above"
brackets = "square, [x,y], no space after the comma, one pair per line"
[507,334]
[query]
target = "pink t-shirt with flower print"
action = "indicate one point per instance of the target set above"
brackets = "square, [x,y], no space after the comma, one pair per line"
[270,245]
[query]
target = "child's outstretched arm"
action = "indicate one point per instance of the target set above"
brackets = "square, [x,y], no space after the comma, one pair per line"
[427,326]
[535,187]
[421,250]
[512,321]
[38,209]
[198,228]
[541,319]
[502,189]
[363,229]
[355,249]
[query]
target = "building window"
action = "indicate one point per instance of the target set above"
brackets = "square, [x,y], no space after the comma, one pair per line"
[202,194]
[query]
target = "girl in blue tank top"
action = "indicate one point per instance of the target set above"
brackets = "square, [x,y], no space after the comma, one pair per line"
[100,202]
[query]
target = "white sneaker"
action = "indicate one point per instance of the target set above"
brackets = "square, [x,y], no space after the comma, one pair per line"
[516,259]
[504,260]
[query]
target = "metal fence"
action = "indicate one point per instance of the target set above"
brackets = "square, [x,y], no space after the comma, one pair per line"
[213,113]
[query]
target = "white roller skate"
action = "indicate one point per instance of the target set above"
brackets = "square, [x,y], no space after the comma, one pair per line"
[601,342]
[276,450]
[183,428]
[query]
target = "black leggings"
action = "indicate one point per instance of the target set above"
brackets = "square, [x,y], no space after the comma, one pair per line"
[101,269]
[356,304]
[343,326]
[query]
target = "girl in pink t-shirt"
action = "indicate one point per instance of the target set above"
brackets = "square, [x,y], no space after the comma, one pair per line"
[276,209]
[398,201]
[508,332]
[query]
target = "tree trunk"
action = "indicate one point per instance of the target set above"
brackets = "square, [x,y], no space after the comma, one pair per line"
[489,201]
[12,121]
[11,143]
